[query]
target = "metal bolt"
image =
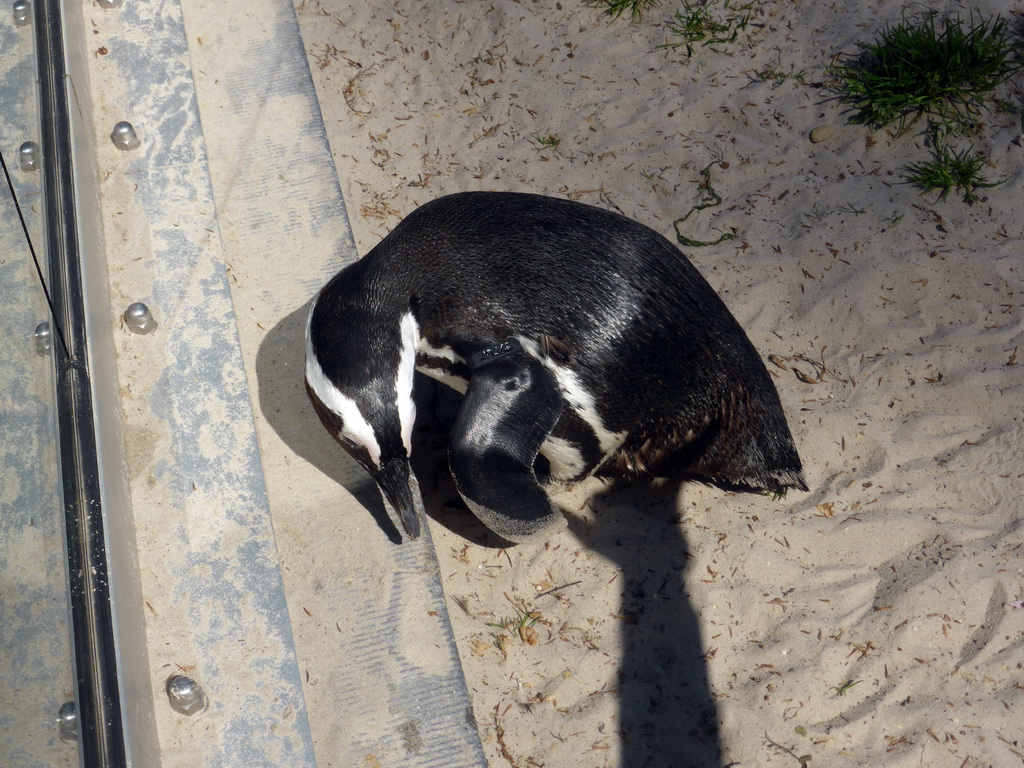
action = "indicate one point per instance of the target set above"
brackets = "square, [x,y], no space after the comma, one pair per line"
[28,156]
[67,722]
[124,136]
[110,3]
[44,338]
[22,13]
[185,695]
[139,319]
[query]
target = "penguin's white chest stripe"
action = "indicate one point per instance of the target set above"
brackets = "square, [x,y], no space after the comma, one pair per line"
[442,353]
[439,372]
[410,333]
[578,398]
[457,383]
[355,427]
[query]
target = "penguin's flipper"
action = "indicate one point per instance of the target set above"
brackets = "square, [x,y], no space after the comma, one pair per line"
[511,405]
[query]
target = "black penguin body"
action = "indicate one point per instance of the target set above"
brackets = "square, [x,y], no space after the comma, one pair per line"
[650,371]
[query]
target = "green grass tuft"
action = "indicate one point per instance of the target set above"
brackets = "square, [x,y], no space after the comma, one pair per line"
[697,24]
[618,8]
[942,67]
[549,141]
[949,170]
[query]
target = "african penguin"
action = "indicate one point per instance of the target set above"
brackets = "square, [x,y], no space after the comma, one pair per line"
[572,331]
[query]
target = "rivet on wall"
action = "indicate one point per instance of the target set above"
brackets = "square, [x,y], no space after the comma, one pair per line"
[139,319]
[28,156]
[185,695]
[67,722]
[124,136]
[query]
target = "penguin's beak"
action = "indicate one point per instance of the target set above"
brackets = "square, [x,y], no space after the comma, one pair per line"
[401,493]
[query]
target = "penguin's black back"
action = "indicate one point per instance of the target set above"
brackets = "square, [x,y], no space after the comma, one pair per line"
[614,302]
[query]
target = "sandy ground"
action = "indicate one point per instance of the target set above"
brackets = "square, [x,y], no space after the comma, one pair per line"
[868,622]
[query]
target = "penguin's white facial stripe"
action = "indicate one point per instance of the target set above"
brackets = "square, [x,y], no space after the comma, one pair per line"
[565,458]
[410,333]
[355,427]
[578,398]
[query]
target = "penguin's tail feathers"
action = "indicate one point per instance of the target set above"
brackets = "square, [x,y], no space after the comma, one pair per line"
[753,455]
[768,465]
[780,482]
[776,484]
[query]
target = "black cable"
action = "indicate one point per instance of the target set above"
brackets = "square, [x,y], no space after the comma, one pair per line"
[35,259]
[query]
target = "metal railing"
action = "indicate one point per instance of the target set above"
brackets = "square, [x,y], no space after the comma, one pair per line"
[99,719]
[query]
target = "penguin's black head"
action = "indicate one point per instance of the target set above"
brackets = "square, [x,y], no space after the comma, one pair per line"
[359,379]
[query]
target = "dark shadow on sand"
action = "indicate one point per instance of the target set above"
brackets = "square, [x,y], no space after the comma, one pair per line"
[667,714]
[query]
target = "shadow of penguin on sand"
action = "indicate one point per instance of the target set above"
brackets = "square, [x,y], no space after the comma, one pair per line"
[667,713]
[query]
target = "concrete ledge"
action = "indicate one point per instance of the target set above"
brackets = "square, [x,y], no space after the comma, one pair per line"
[226,227]
[381,674]
[211,588]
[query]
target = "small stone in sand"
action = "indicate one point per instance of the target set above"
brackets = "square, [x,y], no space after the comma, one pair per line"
[821,133]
